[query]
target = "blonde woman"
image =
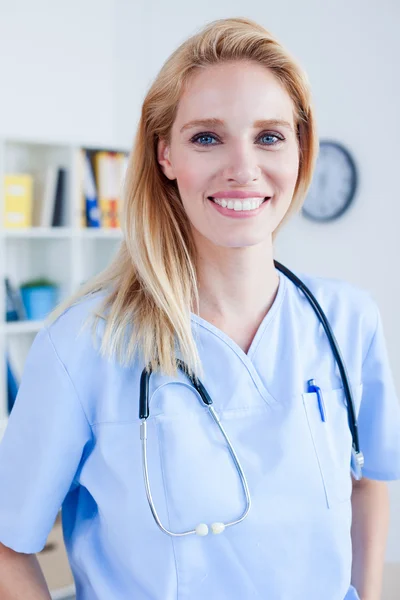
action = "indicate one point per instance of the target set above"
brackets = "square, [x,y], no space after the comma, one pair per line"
[252,496]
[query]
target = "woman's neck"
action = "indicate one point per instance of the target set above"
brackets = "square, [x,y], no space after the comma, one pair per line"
[236,284]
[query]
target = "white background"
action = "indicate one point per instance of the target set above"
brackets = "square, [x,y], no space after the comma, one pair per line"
[78,71]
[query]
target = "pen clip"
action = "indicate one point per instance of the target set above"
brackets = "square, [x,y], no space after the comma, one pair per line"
[312,387]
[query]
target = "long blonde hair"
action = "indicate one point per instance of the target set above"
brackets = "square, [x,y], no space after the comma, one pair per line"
[151,286]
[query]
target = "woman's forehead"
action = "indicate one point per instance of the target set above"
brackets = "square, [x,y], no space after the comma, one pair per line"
[239,92]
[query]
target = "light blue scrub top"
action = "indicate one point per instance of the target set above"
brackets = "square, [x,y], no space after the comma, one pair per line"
[73,440]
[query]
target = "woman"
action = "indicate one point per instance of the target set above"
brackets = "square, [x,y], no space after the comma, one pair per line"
[224,153]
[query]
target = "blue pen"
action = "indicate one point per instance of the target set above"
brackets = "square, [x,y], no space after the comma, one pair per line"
[314,388]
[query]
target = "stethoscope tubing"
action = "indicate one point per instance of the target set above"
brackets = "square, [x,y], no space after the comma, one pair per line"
[144,411]
[143,437]
[335,350]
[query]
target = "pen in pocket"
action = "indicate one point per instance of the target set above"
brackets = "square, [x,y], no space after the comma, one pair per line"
[312,387]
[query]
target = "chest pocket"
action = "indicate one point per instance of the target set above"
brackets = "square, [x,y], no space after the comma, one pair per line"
[200,481]
[332,440]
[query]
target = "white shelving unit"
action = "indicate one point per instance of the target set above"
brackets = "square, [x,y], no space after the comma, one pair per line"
[69,255]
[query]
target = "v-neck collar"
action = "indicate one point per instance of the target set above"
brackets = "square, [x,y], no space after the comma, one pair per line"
[247,359]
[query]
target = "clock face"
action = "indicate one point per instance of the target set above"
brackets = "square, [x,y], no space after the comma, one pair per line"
[333,185]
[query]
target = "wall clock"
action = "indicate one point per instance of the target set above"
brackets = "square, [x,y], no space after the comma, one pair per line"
[334,183]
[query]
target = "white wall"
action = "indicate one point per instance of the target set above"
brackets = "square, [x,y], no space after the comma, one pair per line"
[78,71]
[57,70]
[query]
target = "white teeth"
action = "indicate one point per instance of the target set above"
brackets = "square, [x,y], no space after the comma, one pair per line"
[238,205]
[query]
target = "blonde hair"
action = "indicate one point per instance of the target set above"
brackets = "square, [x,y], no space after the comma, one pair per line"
[151,286]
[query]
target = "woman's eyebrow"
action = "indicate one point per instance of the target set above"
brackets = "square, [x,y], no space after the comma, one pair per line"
[213,122]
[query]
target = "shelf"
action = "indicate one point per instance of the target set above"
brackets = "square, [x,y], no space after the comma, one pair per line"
[100,233]
[38,232]
[69,255]
[60,232]
[18,327]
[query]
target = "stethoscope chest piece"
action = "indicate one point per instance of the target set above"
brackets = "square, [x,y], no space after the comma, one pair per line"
[357,463]
[203,529]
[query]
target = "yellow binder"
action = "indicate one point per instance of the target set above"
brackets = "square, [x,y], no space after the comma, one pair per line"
[18,193]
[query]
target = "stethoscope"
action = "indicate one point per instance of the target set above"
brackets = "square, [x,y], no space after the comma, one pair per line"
[357,458]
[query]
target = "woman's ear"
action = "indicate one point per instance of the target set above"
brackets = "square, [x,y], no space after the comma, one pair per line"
[163,157]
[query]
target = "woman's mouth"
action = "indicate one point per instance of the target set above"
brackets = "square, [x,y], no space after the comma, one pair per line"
[233,206]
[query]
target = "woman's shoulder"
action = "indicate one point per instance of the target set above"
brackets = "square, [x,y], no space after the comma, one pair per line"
[342,300]
[78,326]
[335,288]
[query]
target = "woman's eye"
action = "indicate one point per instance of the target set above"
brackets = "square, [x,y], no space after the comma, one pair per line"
[197,139]
[271,137]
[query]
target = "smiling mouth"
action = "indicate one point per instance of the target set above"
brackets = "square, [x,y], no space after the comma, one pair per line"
[236,204]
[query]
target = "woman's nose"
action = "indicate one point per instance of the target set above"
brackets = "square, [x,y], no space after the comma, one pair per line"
[242,166]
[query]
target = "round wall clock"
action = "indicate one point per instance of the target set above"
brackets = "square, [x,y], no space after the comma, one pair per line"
[334,183]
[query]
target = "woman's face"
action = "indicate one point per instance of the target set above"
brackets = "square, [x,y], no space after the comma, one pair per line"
[233,137]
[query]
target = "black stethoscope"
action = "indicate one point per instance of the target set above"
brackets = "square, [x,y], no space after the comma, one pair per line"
[357,458]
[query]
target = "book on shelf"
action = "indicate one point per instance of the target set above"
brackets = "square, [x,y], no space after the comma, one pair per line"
[107,177]
[15,309]
[91,203]
[50,200]
[102,174]
[59,199]
[18,200]
[44,201]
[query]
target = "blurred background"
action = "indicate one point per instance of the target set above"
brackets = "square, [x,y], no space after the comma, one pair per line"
[74,76]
